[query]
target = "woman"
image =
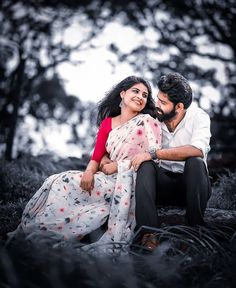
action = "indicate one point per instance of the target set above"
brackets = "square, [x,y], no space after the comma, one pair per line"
[72,204]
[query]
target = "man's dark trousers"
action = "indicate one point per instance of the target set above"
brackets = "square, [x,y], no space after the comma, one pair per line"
[157,186]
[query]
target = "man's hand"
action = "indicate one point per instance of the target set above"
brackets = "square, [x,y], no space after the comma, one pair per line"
[139,159]
[87,181]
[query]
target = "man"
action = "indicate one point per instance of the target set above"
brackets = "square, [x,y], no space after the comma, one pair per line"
[180,177]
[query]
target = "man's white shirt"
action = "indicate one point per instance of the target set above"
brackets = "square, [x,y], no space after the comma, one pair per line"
[194,129]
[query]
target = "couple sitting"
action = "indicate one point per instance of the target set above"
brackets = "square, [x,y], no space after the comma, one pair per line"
[151,162]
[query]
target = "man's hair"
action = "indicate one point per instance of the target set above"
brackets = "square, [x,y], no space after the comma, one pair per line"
[177,88]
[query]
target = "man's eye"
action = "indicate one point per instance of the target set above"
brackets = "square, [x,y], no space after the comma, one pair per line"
[161,102]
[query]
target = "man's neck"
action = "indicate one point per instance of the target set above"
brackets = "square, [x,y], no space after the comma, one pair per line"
[174,122]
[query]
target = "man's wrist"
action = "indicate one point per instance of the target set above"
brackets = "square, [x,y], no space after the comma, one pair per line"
[158,154]
[153,153]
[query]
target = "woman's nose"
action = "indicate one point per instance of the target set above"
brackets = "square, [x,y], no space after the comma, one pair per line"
[140,96]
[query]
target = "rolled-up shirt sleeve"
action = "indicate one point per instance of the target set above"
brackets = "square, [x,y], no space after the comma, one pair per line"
[201,132]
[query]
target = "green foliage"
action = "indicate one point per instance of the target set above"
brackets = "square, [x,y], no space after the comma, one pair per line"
[224,192]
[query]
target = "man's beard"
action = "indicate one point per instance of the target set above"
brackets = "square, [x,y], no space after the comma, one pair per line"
[165,116]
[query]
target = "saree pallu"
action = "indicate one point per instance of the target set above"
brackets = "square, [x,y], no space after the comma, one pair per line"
[61,207]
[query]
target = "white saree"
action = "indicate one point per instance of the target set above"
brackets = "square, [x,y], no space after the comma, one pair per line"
[62,207]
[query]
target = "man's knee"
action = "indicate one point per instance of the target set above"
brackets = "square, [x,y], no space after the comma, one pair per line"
[196,173]
[146,179]
[146,168]
[194,162]
[196,166]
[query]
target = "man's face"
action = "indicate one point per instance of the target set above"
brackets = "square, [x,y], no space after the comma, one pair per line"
[165,108]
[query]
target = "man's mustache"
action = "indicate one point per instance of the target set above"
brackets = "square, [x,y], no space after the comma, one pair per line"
[159,110]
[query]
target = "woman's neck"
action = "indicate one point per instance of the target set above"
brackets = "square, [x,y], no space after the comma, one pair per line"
[125,116]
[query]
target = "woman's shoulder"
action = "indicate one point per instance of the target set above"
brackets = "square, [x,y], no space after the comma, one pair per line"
[148,121]
[106,123]
[148,118]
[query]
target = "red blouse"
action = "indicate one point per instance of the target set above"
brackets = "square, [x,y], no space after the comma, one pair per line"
[100,145]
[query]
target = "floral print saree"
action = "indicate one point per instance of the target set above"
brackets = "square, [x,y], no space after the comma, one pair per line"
[62,207]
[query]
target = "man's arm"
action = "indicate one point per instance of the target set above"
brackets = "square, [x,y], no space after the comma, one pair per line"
[179,153]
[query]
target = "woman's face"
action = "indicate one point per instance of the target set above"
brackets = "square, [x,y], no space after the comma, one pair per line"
[135,98]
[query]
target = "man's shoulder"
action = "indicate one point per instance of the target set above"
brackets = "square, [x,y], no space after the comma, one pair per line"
[195,111]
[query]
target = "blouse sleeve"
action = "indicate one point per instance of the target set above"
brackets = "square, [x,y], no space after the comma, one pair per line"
[100,145]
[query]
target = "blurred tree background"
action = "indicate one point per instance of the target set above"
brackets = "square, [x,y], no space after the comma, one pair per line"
[194,38]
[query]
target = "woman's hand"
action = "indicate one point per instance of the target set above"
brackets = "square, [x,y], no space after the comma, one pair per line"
[87,181]
[109,168]
[105,160]
[139,159]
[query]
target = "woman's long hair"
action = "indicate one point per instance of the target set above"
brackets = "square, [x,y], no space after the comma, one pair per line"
[109,106]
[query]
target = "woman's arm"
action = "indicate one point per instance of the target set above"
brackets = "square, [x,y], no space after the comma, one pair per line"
[100,145]
[110,168]
[105,160]
[87,180]
[107,166]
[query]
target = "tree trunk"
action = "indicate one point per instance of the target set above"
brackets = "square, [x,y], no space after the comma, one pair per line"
[16,96]
[11,132]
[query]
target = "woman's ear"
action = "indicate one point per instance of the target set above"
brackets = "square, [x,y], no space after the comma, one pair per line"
[122,94]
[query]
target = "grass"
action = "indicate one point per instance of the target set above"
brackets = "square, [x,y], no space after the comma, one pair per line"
[186,257]
[20,179]
[207,260]
[224,192]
